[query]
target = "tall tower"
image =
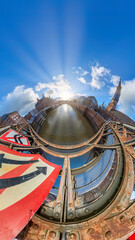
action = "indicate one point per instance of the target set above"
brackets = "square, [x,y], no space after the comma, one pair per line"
[112,105]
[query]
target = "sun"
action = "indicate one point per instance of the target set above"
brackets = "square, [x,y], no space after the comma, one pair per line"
[66,95]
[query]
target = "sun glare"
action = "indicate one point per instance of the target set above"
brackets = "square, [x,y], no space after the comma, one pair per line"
[66,95]
[65,107]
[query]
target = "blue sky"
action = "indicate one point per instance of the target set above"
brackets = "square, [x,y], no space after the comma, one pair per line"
[65,48]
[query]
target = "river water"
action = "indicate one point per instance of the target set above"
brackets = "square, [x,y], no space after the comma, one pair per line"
[66,125]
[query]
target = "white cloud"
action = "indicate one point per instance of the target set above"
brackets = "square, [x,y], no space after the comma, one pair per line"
[85,73]
[97,74]
[79,71]
[82,80]
[40,86]
[80,68]
[80,95]
[115,79]
[112,90]
[75,71]
[61,82]
[73,68]
[21,99]
[49,93]
[58,86]
[127,98]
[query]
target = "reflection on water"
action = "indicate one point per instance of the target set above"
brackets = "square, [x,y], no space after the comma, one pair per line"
[65,125]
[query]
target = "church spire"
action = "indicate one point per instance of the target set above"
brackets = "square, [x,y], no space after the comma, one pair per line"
[112,105]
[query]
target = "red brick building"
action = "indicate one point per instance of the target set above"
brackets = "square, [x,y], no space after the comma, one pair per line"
[11,118]
[43,103]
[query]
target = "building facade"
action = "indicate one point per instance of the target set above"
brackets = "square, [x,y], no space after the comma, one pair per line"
[11,118]
[89,101]
[43,103]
